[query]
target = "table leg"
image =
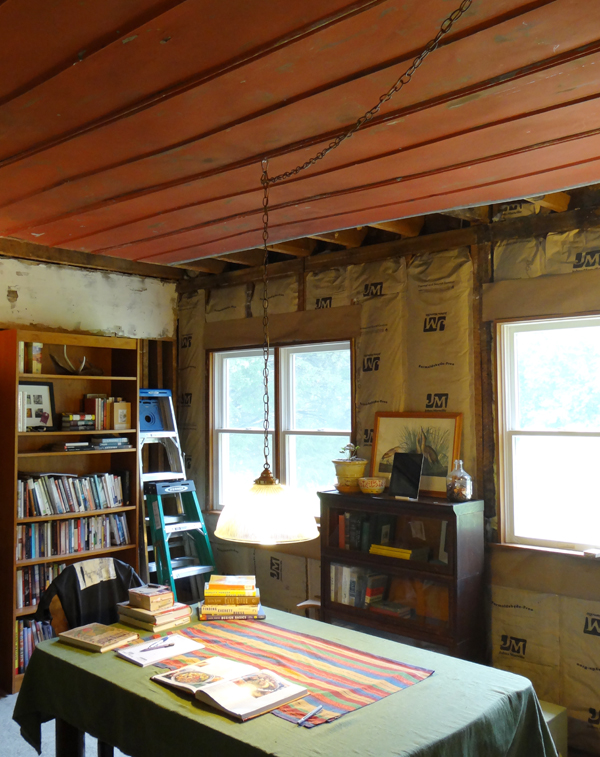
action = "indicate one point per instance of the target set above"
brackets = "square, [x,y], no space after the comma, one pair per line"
[70,741]
[104,749]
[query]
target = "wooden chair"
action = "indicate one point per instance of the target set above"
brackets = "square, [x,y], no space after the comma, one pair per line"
[86,592]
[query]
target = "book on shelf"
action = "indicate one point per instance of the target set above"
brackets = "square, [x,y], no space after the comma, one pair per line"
[240,690]
[97,637]
[110,412]
[69,447]
[33,352]
[223,599]
[230,612]
[409,553]
[175,611]
[151,597]
[155,650]
[78,417]
[396,609]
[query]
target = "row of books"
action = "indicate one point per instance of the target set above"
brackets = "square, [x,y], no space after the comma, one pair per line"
[51,538]
[355,586]
[28,636]
[153,608]
[231,597]
[109,412]
[57,494]
[33,580]
[357,531]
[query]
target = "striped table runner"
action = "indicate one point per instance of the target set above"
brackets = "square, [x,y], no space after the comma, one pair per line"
[340,678]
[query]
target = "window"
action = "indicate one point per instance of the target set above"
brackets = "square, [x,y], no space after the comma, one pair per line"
[549,423]
[309,425]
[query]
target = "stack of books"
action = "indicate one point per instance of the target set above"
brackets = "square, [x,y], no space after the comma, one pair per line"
[153,608]
[231,598]
[110,442]
[78,422]
[69,446]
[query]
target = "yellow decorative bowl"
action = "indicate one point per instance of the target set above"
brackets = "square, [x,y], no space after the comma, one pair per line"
[372,484]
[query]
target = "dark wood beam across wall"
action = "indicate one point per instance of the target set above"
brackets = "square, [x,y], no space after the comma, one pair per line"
[517,228]
[15,248]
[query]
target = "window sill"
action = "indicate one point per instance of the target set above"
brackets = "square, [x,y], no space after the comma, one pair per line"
[502,546]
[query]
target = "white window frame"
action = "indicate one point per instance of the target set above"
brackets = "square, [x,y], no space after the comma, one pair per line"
[280,437]
[286,393]
[507,416]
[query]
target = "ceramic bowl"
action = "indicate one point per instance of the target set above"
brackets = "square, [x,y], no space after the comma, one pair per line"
[371,484]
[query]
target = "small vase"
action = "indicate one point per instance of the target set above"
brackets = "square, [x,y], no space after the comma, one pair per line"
[459,484]
[348,472]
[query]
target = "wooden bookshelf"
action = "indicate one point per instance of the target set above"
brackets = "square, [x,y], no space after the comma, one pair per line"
[24,452]
[434,597]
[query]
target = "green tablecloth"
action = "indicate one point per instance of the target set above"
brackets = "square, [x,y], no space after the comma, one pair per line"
[462,710]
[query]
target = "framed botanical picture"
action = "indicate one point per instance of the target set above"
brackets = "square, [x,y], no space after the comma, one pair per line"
[434,435]
[36,406]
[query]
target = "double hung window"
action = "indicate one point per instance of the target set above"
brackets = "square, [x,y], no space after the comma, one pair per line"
[310,417]
[549,422]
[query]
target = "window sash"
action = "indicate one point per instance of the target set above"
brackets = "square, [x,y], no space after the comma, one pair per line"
[509,434]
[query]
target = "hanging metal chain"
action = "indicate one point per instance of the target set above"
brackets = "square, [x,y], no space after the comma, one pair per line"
[432,45]
[267,181]
[265,303]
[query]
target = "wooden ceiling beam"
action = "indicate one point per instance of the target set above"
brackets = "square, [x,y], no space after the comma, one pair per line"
[16,248]
[557,201]
[480,214]
[345,237]
[250,258]
[299,248]
[205,265]
[406,227]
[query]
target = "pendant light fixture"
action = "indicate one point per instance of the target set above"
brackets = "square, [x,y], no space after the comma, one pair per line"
[268,513]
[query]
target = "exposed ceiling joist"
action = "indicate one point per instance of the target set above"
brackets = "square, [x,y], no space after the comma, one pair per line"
[557,201]
[205,265]
[406,227]
[346,237]
[299,248]
[247,257]
[480,214]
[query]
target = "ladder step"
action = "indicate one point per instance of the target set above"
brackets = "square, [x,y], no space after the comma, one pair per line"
[184,526]
[164,476]
[192,570]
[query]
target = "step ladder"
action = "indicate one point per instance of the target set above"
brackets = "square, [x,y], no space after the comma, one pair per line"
[168,569]
[158,426]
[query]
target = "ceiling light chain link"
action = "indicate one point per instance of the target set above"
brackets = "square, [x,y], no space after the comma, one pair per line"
[267,181]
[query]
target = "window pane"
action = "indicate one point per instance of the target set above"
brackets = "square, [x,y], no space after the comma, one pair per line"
[557,375]
[242,459]
[243,391]
[310,466]
[321,391]
[557,489]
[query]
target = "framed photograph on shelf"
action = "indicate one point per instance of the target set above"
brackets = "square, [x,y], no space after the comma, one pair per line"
[434,435]
[36,406]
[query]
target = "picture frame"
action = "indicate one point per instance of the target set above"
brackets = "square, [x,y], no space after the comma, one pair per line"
[36,406]
[436,435]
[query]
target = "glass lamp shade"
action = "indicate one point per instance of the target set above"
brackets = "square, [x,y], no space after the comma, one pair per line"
[266,515]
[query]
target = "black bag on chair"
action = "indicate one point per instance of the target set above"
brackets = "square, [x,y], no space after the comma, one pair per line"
[87,592]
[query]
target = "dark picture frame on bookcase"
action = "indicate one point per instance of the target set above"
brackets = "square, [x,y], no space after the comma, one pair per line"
[434,435]
[38,412]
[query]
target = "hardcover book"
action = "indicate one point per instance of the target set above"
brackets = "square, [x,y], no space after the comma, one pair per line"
[229,583]
[232,612]
[240,690]
[97,637]
[163,625]
[221,599]
[177,610]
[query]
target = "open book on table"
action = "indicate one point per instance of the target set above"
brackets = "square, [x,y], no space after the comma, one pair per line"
[240,690]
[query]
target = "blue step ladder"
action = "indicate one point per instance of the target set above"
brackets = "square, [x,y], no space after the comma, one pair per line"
[190,522]
[182,529]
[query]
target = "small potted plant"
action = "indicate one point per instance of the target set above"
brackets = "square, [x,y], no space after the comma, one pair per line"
[349,469]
